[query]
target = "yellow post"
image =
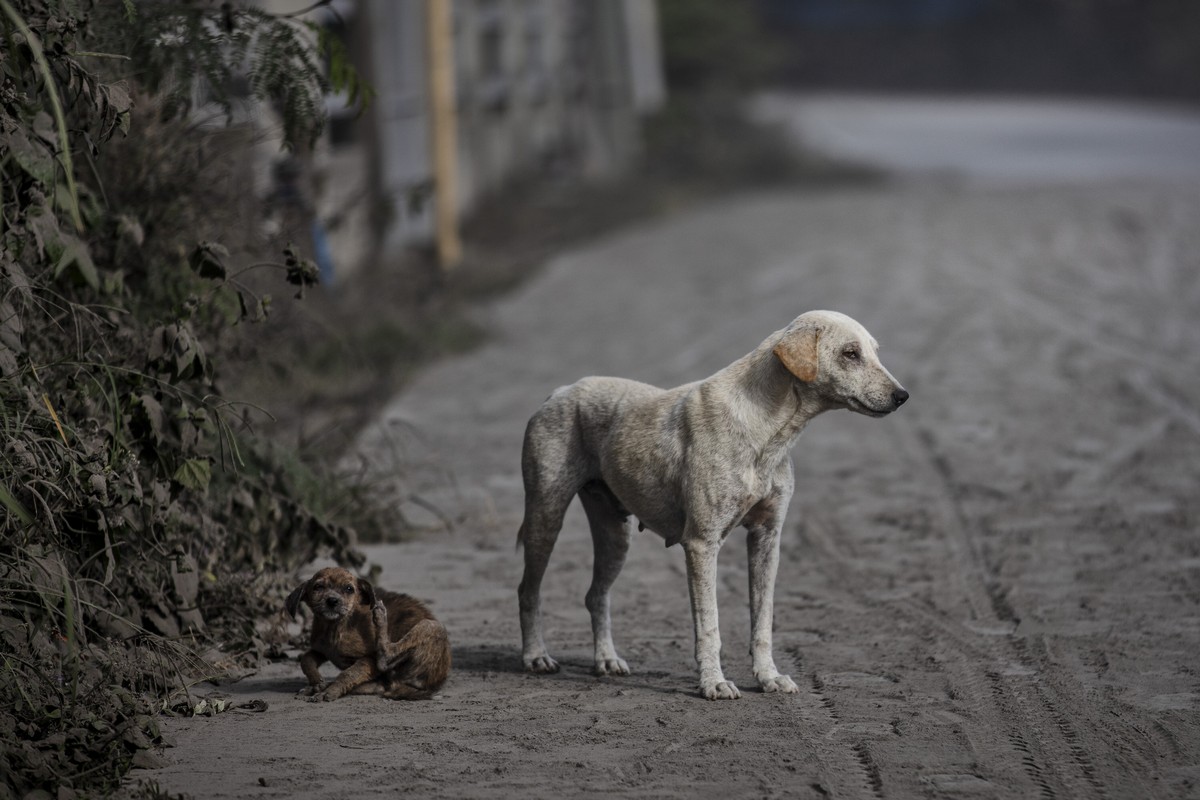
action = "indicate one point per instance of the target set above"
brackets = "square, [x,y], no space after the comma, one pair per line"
[443,128]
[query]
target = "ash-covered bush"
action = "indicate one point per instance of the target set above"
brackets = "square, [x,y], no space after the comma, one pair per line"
[142,526]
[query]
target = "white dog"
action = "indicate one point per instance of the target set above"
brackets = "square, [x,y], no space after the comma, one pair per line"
[691,463]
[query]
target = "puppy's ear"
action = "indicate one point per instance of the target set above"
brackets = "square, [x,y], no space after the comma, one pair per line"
[293,601]
[798,352]
[366,591]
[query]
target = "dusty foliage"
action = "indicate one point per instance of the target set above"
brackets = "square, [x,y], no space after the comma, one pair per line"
[140,526]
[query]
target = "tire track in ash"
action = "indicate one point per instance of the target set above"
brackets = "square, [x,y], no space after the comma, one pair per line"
[1148,363]
[1142,355]
[1008,763]
[1085,755]
[1058,764]
[847,767]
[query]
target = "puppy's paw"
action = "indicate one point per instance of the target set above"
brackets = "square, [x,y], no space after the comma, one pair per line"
[720,690]
[379,615]
[612,666]
[312,689]
[780,683]
[325,696]
[541,664]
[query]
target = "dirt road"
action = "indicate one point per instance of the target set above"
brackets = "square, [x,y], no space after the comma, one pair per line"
[993,593]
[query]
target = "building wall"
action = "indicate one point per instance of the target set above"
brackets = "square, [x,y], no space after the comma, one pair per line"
[542,85]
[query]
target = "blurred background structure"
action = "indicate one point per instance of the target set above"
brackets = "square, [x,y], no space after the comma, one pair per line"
[1010,91]
[546,88]
[1144,48]
[540,86]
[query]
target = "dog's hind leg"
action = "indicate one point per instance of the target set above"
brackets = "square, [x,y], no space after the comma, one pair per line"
[427,638]
[370,687]
[610,543]
[405,691]
[393,690]
[554,468]
[539,531]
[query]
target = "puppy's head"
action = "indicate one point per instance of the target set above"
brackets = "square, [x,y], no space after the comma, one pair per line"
[839,360]
[332,593]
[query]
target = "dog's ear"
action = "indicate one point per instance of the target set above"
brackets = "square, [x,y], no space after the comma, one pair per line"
[798,352]
[366,591]
[293,601]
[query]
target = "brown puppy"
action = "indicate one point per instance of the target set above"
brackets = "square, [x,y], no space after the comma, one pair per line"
[385,643]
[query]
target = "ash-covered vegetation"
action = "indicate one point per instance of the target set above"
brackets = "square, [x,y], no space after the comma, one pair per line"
[143,527]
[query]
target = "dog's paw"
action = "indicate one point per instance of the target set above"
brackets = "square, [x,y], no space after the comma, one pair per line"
[541,664]
[326,696]
[312,689]
[612,666]
[780,683]
[379,615]
[721,690]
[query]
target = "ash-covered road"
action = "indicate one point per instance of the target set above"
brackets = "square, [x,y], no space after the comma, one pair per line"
[993,593]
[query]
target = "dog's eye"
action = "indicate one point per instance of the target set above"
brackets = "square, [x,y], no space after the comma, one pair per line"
[851,354]
[348,589]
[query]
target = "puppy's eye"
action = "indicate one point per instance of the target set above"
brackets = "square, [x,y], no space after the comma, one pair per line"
[348,589]
[851,354]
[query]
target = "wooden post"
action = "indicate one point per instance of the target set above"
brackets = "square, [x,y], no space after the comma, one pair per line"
[443,128]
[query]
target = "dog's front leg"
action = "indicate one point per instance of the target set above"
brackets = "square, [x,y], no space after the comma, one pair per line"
[762,545]
[310,665]
[701,553]
[350,678]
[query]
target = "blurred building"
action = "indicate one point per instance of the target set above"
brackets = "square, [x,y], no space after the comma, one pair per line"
[542,86]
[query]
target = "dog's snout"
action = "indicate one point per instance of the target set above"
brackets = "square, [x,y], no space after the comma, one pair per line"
[899,396]
[331,602]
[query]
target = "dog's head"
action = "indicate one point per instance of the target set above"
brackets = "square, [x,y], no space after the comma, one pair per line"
[332,593]
[839,360]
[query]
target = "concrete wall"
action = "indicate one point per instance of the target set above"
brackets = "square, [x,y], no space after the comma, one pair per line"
[542,86]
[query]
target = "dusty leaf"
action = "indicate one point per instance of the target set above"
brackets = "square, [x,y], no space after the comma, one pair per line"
[31,156]
[195,473]
[208,260]
[152,412]
[42,226]
[75,253]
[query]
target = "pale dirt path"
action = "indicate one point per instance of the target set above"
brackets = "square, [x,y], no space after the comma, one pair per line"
[997,141]
[993,593]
